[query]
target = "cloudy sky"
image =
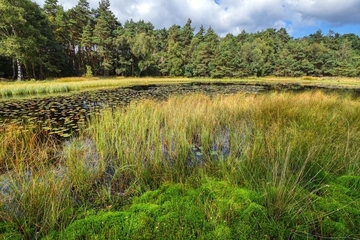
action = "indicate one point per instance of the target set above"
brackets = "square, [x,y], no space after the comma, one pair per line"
[299,17]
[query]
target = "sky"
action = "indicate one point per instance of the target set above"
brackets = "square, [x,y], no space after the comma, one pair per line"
[299,17]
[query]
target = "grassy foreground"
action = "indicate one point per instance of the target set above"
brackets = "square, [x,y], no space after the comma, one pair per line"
[245,166]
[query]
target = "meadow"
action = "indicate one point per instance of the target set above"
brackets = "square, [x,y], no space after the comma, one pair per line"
[62,86]
[276,165]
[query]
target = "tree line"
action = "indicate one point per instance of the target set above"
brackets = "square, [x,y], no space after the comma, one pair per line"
[45,42]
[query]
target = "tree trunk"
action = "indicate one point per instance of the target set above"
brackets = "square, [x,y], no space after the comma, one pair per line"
[19,76]
[41,73]
[73,53]
[33,71]
[80,62]
[14,71]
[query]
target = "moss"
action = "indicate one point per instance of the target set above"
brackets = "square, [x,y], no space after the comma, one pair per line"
[180,216]
[9,231]
[220,210]
[338,210]
[352,183]
[113,223]
[213,210]
[333,213]
[220,232]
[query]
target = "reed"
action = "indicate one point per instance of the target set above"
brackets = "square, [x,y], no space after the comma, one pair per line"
[282,154]
[286,146]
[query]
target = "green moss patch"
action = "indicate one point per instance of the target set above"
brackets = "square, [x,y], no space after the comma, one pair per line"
[213,210]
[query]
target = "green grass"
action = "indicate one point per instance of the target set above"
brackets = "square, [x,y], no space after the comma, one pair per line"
[67,85]
[275,165]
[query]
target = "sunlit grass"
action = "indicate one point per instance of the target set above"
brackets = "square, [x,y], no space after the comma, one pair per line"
[321,81]
[75,84]
[306,127]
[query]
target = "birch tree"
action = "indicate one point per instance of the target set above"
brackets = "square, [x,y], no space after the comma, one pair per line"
[18,35]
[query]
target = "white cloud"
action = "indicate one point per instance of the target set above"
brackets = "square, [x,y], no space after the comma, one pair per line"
[332,11]
[232,16]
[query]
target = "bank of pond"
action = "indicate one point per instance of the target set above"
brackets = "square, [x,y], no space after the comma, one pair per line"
[182,161]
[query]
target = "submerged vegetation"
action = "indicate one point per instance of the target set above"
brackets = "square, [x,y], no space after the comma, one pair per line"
[248,166]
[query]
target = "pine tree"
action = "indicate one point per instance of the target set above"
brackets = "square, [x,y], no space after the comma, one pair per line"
[104,36]
[79,19]
[173,59]
[225,59]
[203,61]
[59,60]
[87,44]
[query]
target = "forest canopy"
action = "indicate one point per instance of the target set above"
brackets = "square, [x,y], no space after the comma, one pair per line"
[45,42]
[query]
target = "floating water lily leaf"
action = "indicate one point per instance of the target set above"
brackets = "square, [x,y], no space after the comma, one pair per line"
[65,135]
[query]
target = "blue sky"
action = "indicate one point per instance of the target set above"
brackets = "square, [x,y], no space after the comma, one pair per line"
[326,27]
[299,17]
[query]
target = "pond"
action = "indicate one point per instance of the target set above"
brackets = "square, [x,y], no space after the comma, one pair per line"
[63,115]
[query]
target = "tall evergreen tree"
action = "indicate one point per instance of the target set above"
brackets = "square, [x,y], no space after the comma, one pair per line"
[79,19]
[59,56]
[172,63]
[203,56]
[106,24]
[225,63]
[187,34]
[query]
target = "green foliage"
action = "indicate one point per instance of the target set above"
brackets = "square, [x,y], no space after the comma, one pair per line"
[89,73]
[22,35]
[9,231]
[54,42]
[215,209]
[352,183]
[335,212]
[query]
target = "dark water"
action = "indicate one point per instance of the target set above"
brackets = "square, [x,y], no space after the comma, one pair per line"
[62,115]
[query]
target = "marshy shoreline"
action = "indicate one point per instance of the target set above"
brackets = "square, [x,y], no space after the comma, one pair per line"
[60,114]
[194,160]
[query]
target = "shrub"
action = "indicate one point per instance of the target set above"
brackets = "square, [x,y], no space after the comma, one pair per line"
[89,73]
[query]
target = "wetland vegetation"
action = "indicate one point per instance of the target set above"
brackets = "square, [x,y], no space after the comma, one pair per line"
[249,164]
[270,151]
